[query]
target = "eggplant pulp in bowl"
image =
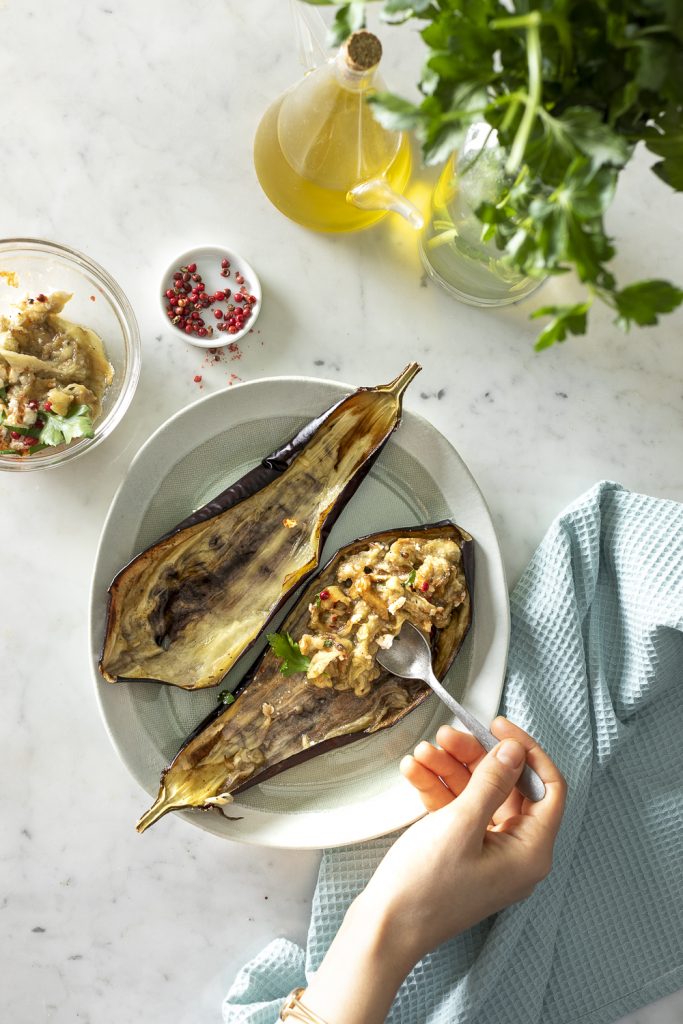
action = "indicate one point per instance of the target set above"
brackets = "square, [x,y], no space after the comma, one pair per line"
[30,267]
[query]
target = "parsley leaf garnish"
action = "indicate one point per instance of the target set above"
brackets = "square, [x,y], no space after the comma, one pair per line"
[19,428]
[63,429]
[410,578]
[289,653]
[226,697]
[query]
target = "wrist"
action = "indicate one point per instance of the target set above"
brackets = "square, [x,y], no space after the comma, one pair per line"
[362,970]
[387,942]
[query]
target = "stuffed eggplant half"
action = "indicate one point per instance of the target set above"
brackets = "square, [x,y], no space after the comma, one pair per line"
[318,685]
[183,611]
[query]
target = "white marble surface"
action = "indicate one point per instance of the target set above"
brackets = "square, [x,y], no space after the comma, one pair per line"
[126,132]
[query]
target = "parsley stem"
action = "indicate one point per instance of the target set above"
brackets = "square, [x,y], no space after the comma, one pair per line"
[510,114]
[531,22]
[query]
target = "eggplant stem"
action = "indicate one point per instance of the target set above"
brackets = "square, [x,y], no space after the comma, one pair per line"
[397,386]
[158,809]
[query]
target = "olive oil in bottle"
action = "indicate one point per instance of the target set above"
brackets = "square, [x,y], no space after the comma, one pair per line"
[321,157]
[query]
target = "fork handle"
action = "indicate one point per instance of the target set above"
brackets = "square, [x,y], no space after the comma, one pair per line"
[530,784]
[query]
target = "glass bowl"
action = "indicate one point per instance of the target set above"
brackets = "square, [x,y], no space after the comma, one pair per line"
[98,303]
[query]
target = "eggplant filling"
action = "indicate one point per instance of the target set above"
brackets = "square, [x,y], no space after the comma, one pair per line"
[377,590]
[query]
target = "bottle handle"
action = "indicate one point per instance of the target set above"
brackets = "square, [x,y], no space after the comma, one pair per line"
[377,194]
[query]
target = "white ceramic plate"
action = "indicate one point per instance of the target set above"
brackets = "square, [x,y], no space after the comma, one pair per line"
[345,796]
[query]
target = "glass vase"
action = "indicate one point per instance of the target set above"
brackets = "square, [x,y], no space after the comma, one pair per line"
[451,248]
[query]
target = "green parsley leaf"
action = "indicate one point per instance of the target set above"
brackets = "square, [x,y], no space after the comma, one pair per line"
[63,429]
[394,113]
[349,18]
[19,428]
[403,9]
[226,697]
[51,432]
[289,653]
[566,320]
[641,303]
[410,578]
[665,139]
[327,643]
[596,140]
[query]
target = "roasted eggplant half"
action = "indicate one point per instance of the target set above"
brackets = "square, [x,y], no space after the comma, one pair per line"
[318,685]
[184,610]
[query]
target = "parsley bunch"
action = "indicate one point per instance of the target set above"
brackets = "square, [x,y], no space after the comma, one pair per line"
[570,88]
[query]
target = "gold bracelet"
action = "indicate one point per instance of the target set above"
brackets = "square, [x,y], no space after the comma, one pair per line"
[294,1009]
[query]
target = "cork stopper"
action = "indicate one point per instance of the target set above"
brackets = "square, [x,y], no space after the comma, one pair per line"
[362,51]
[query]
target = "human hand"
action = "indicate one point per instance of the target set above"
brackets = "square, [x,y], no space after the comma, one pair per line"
[482,846]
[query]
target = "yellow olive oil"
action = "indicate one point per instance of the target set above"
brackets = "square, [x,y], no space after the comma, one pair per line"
[320,140]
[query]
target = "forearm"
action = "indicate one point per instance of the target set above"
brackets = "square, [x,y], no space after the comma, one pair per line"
[362,970]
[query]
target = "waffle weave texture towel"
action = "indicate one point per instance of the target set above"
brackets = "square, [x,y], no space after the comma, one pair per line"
[595,673]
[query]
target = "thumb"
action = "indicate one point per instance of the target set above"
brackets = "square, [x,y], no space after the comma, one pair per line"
[492,782]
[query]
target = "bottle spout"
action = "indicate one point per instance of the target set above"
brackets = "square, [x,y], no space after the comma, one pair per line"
[377,194]
[310,34]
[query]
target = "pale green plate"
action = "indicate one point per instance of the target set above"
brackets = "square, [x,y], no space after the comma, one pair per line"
[344,796]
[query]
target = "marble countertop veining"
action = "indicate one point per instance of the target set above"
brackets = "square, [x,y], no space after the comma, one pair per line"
[126,132]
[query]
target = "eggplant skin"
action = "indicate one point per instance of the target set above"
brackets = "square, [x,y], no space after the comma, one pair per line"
[184,610]
[241,745]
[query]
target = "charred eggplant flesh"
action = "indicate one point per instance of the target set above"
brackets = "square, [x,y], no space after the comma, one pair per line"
[184,610]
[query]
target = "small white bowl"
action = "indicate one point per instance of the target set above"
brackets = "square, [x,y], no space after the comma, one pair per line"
[208,259]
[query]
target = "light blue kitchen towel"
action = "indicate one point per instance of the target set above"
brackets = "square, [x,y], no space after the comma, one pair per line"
[595,674]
